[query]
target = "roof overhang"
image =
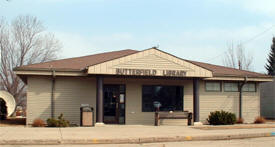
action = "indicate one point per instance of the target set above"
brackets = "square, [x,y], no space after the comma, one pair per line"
[147,63]
[50,72]
[256,79]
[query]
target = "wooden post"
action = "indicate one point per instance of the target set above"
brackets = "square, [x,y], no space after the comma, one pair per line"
[157,117]
[189,119]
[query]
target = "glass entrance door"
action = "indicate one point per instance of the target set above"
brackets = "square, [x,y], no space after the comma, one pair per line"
[114,104]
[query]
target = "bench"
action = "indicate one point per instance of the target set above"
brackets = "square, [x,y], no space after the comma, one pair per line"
[173,115]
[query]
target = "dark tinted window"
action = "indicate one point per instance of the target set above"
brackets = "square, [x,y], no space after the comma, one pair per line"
[170,97]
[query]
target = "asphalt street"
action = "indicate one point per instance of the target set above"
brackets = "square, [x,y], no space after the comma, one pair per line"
[253,142]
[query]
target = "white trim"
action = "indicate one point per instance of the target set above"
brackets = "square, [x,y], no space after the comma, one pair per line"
[49,73]
[263,79]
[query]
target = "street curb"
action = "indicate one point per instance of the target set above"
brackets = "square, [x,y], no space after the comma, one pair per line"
[30,142]
[137,140]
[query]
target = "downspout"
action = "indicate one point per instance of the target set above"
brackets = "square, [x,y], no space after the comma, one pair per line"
[241,95]
[53,94]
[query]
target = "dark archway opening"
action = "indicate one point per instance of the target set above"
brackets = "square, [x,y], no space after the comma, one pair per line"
[3,110]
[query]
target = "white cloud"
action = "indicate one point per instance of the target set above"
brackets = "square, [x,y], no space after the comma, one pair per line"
[211,44]
[112,37]
[73,44]
[266,7]
[80,45]
[67,1]
[263,6]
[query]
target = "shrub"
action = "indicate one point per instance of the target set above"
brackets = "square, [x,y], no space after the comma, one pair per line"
[60,122]
[259,120]
[51,122]
[221,118]
[38,123]
[240,121]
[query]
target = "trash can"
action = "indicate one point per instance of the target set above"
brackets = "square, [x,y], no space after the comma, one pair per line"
[86,115]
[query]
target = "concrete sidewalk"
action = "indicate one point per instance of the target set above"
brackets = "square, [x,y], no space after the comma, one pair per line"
[114,134]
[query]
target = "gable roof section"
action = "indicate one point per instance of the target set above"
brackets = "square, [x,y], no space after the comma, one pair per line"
[149,59]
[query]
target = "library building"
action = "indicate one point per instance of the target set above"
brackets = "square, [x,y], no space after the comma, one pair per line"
[123,87]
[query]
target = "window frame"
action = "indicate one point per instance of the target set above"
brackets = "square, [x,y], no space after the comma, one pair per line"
[220,83]
[182,97]
[254,83]
[224,89]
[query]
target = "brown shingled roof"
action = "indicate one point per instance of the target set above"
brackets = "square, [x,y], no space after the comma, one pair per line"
[80,63]
[227,71]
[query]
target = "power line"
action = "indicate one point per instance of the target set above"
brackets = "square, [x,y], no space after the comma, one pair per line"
[258,35]
[216,56]
[245,42]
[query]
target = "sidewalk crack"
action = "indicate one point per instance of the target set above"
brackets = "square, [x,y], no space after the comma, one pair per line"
[61,136]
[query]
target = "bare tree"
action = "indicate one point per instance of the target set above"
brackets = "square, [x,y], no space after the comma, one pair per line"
[236,57]
[23,41]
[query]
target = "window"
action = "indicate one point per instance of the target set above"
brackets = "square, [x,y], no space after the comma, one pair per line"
[212,86]
[231,87]
[249,87]
[170,97]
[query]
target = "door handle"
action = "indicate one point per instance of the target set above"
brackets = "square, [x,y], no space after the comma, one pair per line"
[116,105]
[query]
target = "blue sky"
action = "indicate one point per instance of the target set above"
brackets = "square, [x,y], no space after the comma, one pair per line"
[197,30]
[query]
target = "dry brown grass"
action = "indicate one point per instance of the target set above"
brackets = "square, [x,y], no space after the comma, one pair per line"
[38,123]
[260,120]
[240,121]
